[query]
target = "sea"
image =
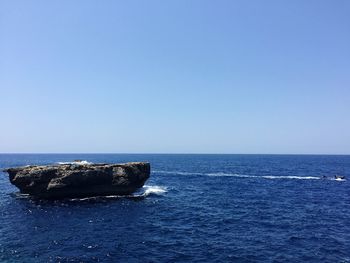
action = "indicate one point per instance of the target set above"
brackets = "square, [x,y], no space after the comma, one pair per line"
[194,208]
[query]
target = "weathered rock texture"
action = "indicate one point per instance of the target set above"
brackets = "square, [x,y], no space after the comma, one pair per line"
[79,180]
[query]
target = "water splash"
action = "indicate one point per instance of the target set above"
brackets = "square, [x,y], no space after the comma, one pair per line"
[153,190]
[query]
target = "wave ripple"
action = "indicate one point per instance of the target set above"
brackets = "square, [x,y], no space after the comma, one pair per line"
[221,174]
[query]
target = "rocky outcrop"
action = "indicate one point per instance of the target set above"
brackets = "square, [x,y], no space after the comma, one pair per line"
[79,179]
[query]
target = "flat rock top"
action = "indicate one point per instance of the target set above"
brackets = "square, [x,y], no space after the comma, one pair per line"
[75,166]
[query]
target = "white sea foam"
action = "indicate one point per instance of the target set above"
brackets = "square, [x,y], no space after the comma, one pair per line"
[84,198]
[338,179]
[177,172]
[153,190]
[221,174]
[232,175]
[267,176]
[146,190]
[292,177]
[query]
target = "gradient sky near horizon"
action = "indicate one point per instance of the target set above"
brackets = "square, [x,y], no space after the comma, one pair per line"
[184,76]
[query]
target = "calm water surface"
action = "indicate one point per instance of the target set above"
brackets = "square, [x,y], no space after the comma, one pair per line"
[198,208]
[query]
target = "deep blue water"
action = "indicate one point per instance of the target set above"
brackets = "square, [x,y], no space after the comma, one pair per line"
[199,208]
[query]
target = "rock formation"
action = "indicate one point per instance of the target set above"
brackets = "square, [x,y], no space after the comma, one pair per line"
[79,179]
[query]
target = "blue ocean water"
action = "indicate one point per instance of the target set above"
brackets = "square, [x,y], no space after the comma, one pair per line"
[198,208]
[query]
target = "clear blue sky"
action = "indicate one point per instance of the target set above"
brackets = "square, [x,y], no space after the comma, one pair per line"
[179,76]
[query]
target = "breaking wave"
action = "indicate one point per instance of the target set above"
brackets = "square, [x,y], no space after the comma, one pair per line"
[153,190]
[145,191]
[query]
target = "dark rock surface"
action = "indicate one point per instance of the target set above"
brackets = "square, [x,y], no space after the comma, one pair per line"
[79,179]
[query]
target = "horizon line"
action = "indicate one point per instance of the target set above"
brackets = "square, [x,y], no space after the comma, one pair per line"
[133,153]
